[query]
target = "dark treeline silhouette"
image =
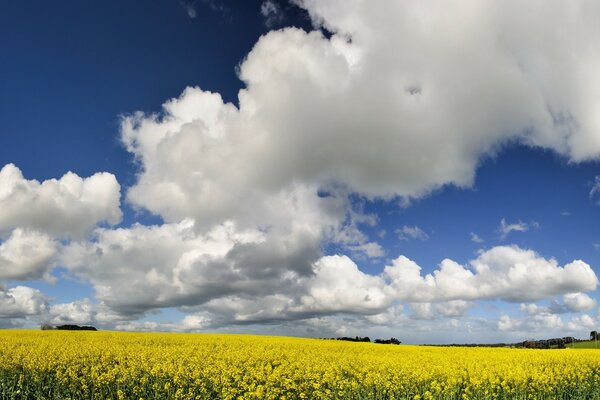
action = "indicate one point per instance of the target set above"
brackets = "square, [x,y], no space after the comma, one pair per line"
[46,327]
[388,341]
[366,339]
[354,339]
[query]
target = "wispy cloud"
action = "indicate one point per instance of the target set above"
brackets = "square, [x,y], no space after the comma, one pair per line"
[476,238]
[506,228]
[191,6]
[411,232]
[272,12]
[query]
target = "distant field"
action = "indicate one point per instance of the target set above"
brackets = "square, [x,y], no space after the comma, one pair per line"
[110,365]
[585,345]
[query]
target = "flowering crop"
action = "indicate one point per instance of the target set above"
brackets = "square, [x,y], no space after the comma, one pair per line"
[110,365]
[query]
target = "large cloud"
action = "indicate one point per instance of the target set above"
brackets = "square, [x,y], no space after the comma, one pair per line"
[403,98]
[68,207]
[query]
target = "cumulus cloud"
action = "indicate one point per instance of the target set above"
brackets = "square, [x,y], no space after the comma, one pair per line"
[453,308]
[552,324]
[27,254]
[228,276]
[352,97]
[76,312]
[536,323]
[411,232]
[68,207]
[577,302]
[504,272]
[22,301]
[582,323]
[509,56]
[572,303]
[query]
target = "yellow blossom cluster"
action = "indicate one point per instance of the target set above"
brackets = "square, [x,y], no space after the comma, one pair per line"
[111,365]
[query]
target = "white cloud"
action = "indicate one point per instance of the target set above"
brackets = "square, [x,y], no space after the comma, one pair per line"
[582,323]
[453,308]
[524,79]
[505,229]
[534,309]
[370,249]
[577,302]
[547,323]
[572,303]
[229,276]
[411,232]
[21,302]
[76,312]
[68,207]
[349,100]
[338,285]
[476,238]
[272,13]
[507,273]
[27,254]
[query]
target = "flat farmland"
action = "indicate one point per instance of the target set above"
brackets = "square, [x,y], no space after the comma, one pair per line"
[111,365]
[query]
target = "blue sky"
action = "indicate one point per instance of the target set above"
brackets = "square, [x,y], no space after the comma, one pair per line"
[356,141]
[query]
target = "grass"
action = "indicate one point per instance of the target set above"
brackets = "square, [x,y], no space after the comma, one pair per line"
[590,344]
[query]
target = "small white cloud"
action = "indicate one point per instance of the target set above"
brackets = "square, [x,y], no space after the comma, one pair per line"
[535,323]
[190,8]
[272,13]
[565,214]
[505,228]
[577,302]
[446,309]
[370,249]
[411,232]
[582,323]
[476,238]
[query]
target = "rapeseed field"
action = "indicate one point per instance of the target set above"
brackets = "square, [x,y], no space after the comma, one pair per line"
[111,365]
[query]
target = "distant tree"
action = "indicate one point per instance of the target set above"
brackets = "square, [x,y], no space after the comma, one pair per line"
[47,327]
[355,339]
[75,328]
[594,335]
[388,341]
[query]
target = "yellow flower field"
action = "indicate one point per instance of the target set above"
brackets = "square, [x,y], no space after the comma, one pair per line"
[110,365]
